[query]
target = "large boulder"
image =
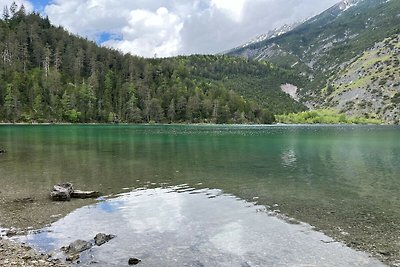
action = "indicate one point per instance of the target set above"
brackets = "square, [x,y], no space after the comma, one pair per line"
[62,192]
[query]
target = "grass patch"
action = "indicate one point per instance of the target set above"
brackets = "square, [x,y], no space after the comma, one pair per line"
[324,116]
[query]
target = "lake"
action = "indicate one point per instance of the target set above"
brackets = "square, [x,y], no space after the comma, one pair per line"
[343,180]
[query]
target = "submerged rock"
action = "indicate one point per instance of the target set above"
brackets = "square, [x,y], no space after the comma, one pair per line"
[62,192]
[101,238]
[77,247]
[133,261]
[84,194]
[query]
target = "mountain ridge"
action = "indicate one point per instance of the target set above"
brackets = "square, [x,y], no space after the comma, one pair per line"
[322,46]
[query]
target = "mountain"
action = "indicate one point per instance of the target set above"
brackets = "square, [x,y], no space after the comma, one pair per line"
[272,34]
[349,54]
[49,75]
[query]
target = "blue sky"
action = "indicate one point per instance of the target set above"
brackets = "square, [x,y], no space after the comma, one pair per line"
[168,28]
[39,4]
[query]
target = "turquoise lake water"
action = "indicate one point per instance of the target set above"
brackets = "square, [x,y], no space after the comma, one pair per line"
[345,180]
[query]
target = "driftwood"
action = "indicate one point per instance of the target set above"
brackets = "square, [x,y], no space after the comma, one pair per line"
[66,191]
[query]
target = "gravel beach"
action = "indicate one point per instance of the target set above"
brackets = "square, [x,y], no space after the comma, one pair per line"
[15,254]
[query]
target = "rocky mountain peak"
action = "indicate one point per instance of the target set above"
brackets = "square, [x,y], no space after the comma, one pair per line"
[346,4]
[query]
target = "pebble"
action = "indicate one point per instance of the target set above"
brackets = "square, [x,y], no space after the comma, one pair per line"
[134,261]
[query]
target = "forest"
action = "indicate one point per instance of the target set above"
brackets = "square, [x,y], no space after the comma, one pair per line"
[50,75]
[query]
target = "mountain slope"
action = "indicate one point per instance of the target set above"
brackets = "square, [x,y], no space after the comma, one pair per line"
[328,43]
[370,84]
[47,74]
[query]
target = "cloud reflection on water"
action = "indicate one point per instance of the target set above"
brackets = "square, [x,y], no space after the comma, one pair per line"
[181,226]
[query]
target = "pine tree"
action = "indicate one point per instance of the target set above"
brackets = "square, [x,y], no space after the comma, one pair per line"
[155,111]
[132,111]
[6,13]
[22,11]
[108,89]
[9,103]
[171,111]
[13,9]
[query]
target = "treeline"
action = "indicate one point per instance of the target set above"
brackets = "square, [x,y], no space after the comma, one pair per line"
[49,75]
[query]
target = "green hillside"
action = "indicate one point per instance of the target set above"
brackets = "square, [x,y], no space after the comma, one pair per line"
[323,47]
[49,75]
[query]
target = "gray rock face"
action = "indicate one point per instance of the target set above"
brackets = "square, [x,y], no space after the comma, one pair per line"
[101,238]
[62,192]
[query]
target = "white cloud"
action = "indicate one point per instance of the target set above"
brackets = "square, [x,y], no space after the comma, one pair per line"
[150,33]
[233,8]
[171,27]
[28,6]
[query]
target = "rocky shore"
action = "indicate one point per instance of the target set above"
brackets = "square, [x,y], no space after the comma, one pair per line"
[24,210]
[15,254]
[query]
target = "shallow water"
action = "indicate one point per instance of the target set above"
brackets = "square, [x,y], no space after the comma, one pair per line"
[343,179]
[182,226]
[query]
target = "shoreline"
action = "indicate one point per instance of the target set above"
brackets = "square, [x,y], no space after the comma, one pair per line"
[9,248]
[16,254]
[188,124]
[13,253]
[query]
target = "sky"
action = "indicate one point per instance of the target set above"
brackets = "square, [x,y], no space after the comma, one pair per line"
[165,28]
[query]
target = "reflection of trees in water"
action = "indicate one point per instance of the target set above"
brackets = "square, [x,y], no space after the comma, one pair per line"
[276,161]
[288,158]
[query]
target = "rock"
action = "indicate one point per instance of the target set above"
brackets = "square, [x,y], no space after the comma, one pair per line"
[2,151]
[384,252]
[77,247]
[62,192]
[72,257]
[14,232]
[84,194]
[65,191]
[11,232]
[29,255]
[101,238]
[133,261]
